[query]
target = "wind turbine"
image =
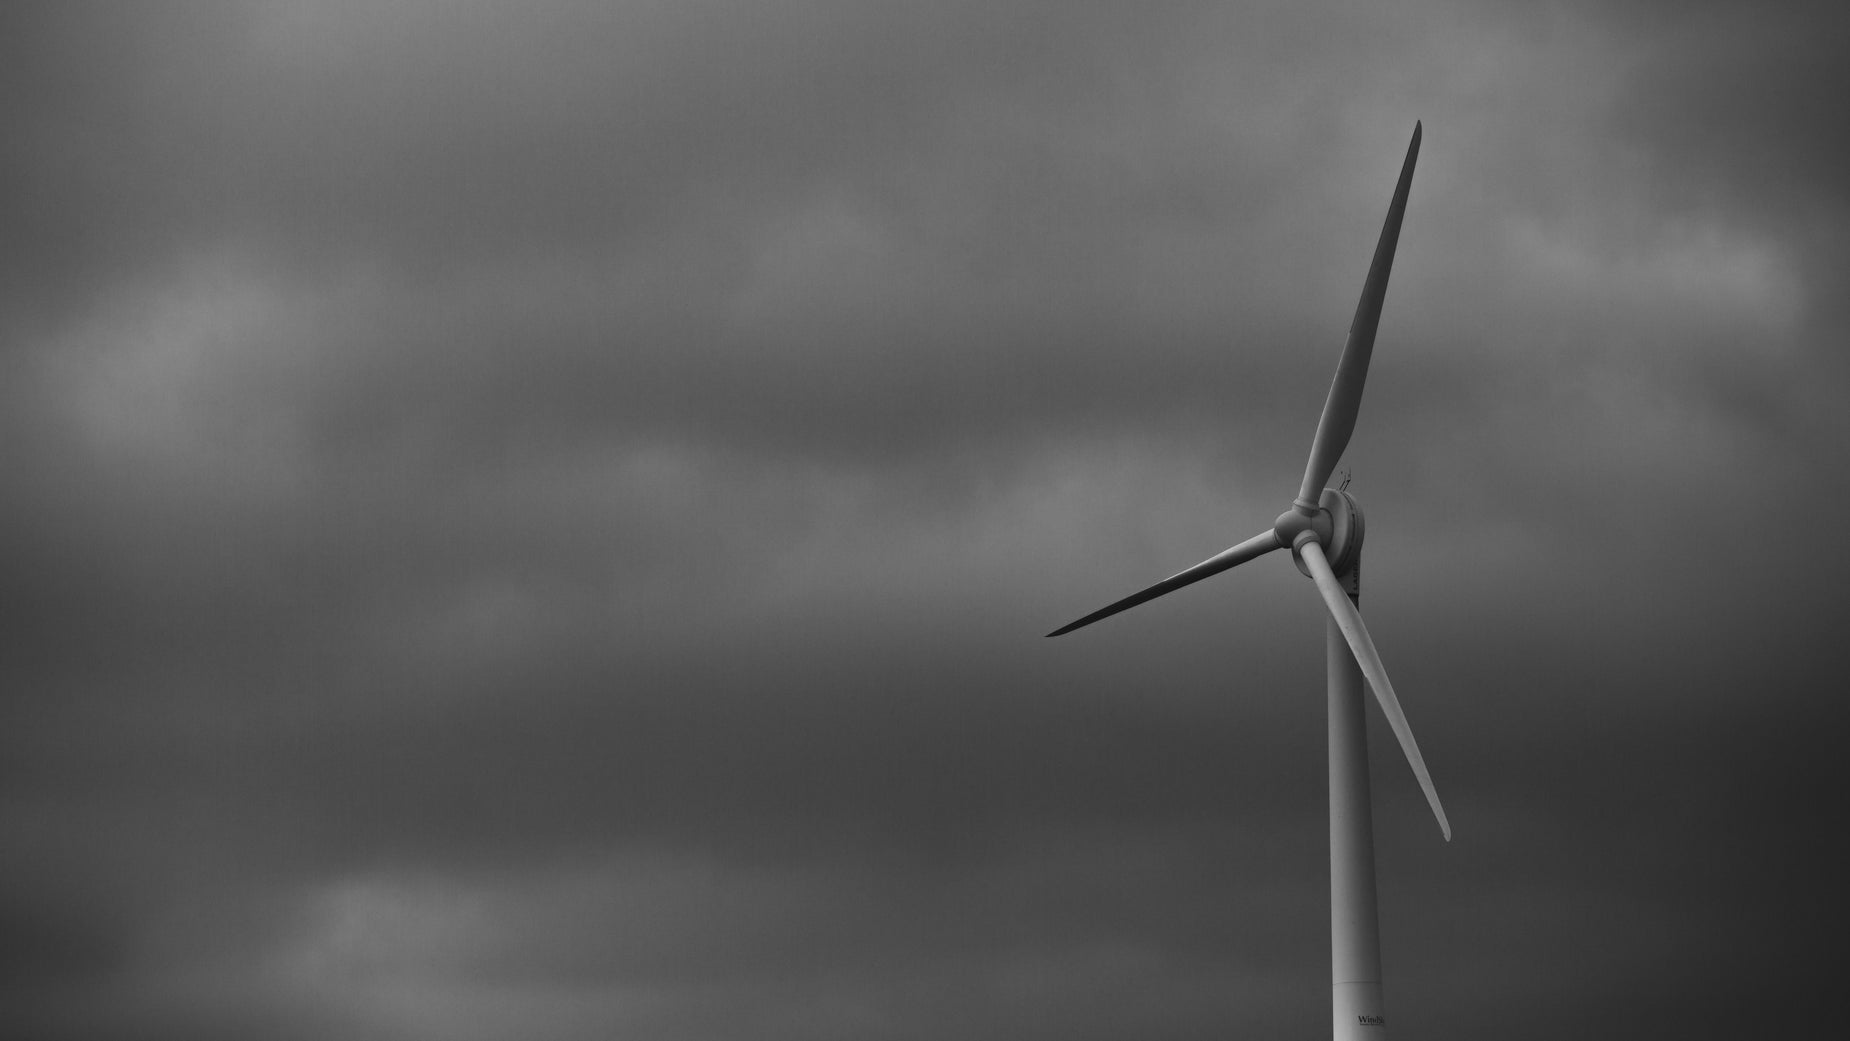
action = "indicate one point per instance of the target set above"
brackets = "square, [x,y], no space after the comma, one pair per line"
[1323,530]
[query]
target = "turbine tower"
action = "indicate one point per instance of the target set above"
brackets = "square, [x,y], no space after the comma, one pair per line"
[1323,530]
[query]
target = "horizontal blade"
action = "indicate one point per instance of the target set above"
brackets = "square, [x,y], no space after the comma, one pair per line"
[1214,565]
[1349,620]
[1345,400]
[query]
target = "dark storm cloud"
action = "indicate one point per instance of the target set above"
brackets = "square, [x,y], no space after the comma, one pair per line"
[536,521]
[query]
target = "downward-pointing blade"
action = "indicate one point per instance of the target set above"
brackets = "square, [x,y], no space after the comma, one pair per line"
[1349,620]
[1214,565]
[1345,400]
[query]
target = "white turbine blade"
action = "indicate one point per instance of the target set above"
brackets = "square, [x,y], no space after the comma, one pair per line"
[1214,565]
[1349,620]
[1345,400]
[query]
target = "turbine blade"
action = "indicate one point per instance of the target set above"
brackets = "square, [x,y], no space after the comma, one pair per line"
[1214,565]
[1345,400]
[1349,620]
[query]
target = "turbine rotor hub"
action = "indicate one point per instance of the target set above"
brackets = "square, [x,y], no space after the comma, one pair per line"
[1336,526]
[1294,526]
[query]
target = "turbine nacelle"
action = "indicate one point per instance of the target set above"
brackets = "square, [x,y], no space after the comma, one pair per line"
[1337,526]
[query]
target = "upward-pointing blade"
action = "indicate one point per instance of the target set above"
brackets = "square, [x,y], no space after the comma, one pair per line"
[1214,565]
[1345,400]
[1349,620]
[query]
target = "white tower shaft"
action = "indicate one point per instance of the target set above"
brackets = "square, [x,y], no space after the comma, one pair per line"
[1356,1009]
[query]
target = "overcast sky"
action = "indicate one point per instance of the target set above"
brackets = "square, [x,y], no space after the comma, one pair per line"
[537,520]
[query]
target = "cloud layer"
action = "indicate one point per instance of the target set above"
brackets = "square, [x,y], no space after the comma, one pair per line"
[537,521]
